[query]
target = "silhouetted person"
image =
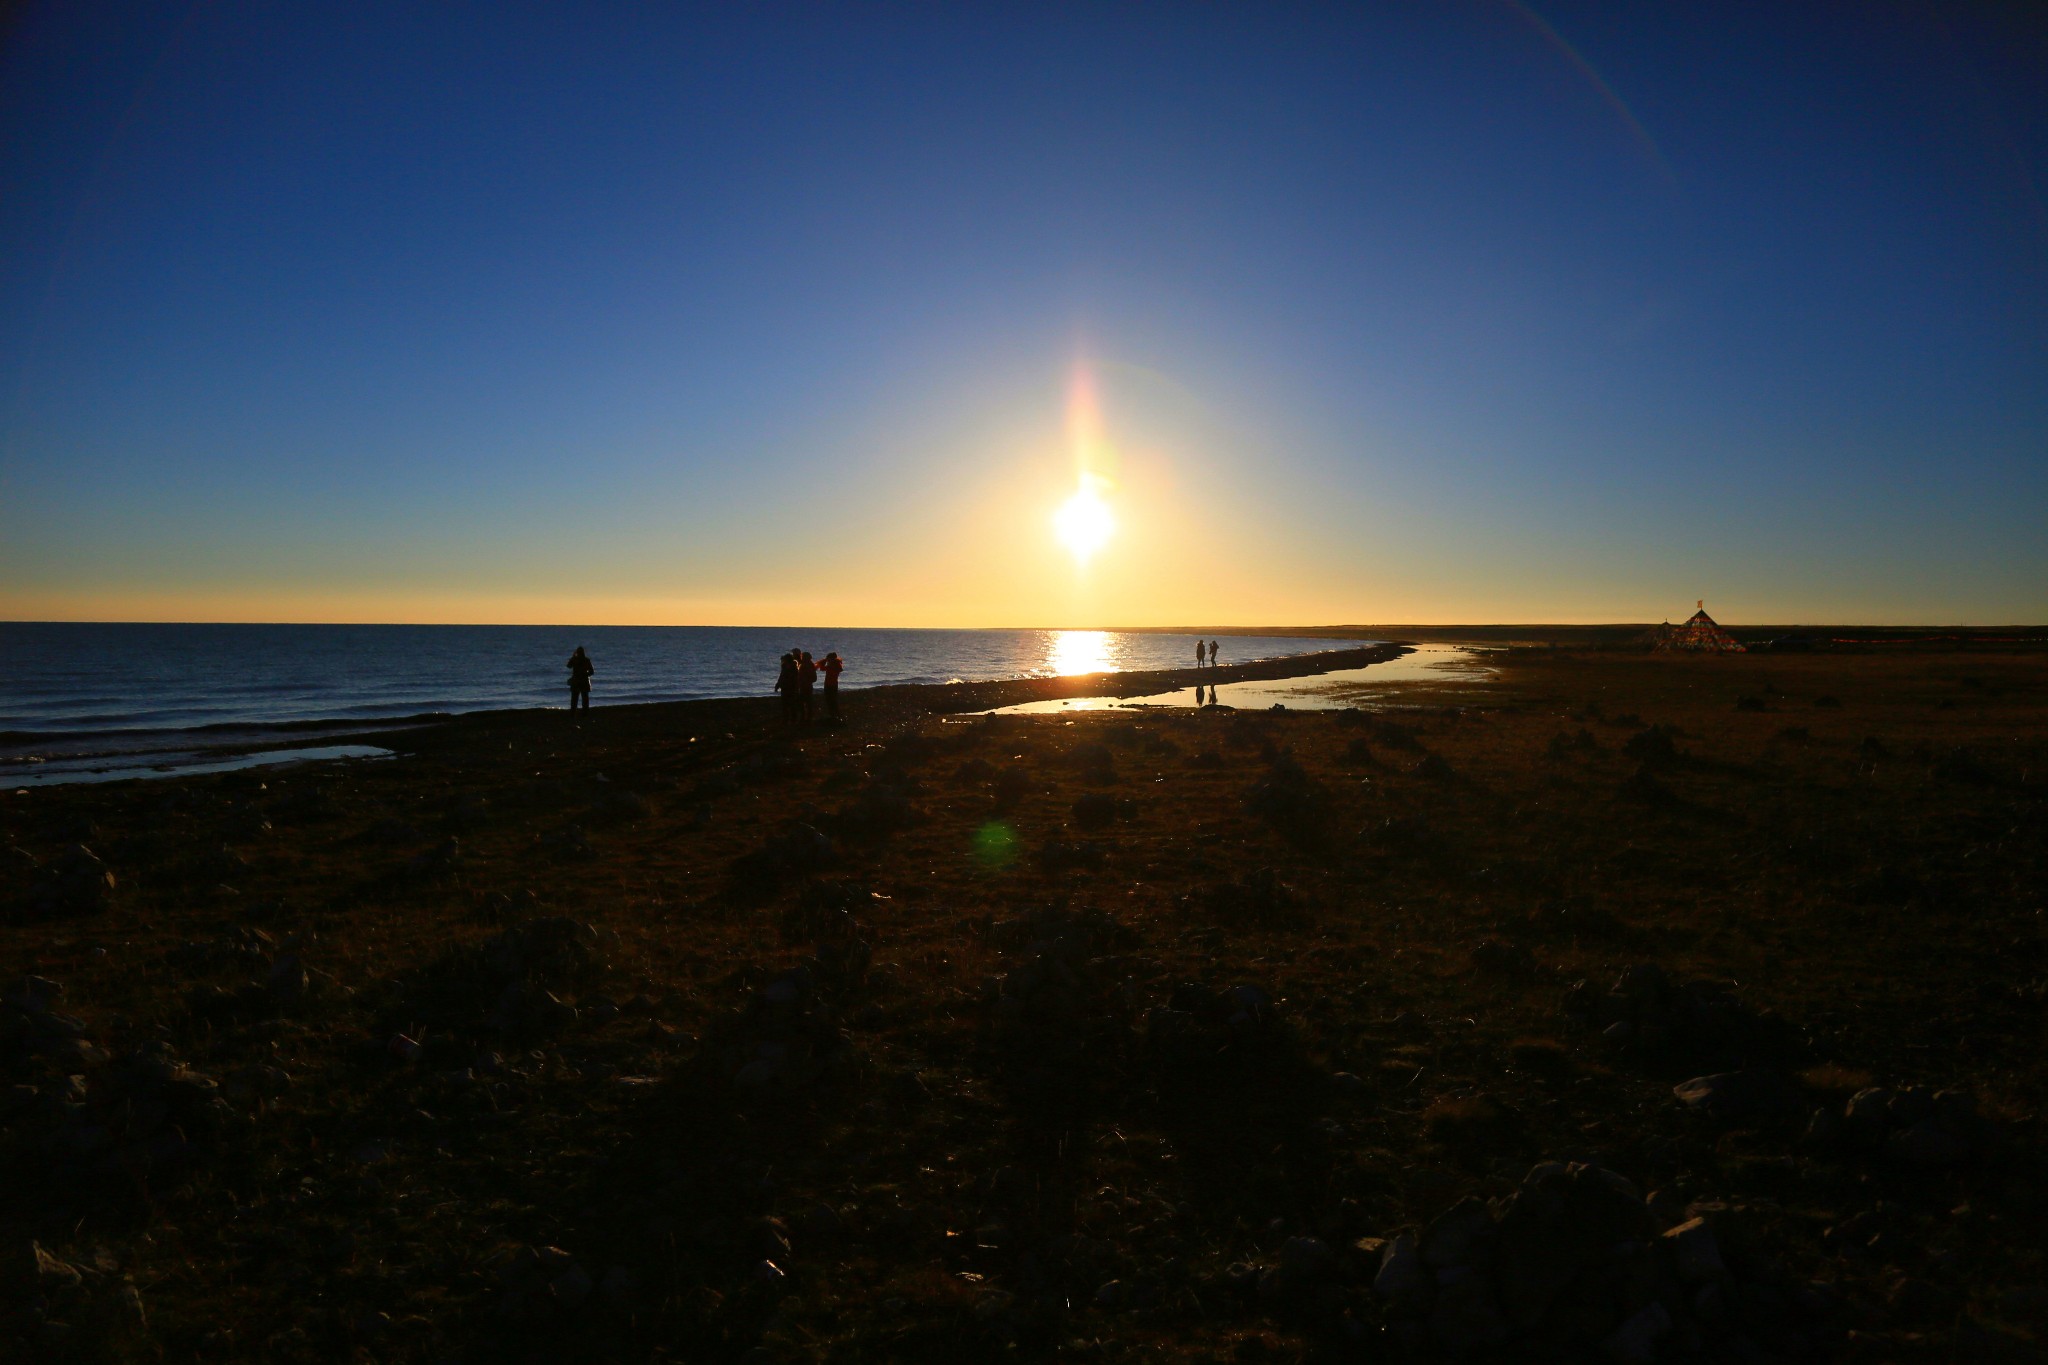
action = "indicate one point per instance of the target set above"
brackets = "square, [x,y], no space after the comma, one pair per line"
[1212,654]
[580,669]
[785,683]
[831,666]
[1200,649]
[807,684]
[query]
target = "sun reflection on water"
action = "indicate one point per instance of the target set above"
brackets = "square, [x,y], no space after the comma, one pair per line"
[1068,652]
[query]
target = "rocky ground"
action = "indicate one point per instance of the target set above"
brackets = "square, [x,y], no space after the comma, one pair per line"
[1622,1008]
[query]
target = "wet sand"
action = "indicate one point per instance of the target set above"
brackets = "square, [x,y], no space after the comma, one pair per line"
[663,1034]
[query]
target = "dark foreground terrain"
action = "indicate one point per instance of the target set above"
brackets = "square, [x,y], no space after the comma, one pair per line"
[1621,1008]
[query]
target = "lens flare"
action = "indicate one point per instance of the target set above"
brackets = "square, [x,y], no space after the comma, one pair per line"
[1083,522]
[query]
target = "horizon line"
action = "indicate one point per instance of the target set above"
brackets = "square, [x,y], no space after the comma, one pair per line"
[1256,629]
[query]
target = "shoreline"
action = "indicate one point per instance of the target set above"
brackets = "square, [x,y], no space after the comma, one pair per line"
[158,754]
[888,704]
[91,737]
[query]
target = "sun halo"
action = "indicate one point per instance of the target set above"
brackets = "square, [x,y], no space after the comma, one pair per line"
[1083,523]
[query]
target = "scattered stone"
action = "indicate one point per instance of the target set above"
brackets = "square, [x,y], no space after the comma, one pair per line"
[1635,1341]
[1570,1266]
[1473,1123]
[1695,1256]
[1917,1126]
[288,982]
[1697,1024]
[1403,1280]
[75,882]
[1734,1095]
[1466,1319]
[1460,1235]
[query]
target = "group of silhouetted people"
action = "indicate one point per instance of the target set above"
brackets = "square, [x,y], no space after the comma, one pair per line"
[1205,653]
[798,684]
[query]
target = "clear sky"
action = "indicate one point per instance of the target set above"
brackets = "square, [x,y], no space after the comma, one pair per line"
[1426,310]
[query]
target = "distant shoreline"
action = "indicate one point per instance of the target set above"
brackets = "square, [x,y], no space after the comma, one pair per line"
[1621,634]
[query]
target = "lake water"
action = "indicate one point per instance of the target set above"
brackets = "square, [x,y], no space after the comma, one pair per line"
[1375,684]
[85,683]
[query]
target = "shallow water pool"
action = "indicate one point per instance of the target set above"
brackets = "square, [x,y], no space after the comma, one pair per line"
[1338,691]
[103,768]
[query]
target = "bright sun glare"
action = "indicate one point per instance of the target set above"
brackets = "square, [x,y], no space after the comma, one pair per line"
[1083,522]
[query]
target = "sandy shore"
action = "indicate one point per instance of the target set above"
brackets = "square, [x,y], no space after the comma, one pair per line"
[663,1034]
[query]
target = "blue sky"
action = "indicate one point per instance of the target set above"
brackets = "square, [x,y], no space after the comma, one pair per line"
[759,314]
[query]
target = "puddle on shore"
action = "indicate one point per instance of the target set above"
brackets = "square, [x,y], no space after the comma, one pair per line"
[53,772]
[1339,691]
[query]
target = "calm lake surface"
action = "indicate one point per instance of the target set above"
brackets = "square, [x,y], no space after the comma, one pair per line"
[79,681]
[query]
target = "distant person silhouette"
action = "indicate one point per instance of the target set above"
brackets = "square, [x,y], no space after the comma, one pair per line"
[807,685]
[831,666]
[1213,647]
[1200,653]
[580,669]
[785,683]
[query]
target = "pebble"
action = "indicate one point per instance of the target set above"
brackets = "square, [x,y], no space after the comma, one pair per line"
[1695,1255]
[1403,1280]
[1458,1234]
[1667,1208]
[1635,1341]
[572,1287]
[1735,1094]
[1345,1083]
[1928,1143]
[1310,1255]
[1466,1318]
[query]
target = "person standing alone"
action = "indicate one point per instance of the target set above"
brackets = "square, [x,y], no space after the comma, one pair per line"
[580,669]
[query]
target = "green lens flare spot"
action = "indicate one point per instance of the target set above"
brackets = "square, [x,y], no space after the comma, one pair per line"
[995,844]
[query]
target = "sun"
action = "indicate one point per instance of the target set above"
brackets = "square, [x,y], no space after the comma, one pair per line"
[1083,522]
